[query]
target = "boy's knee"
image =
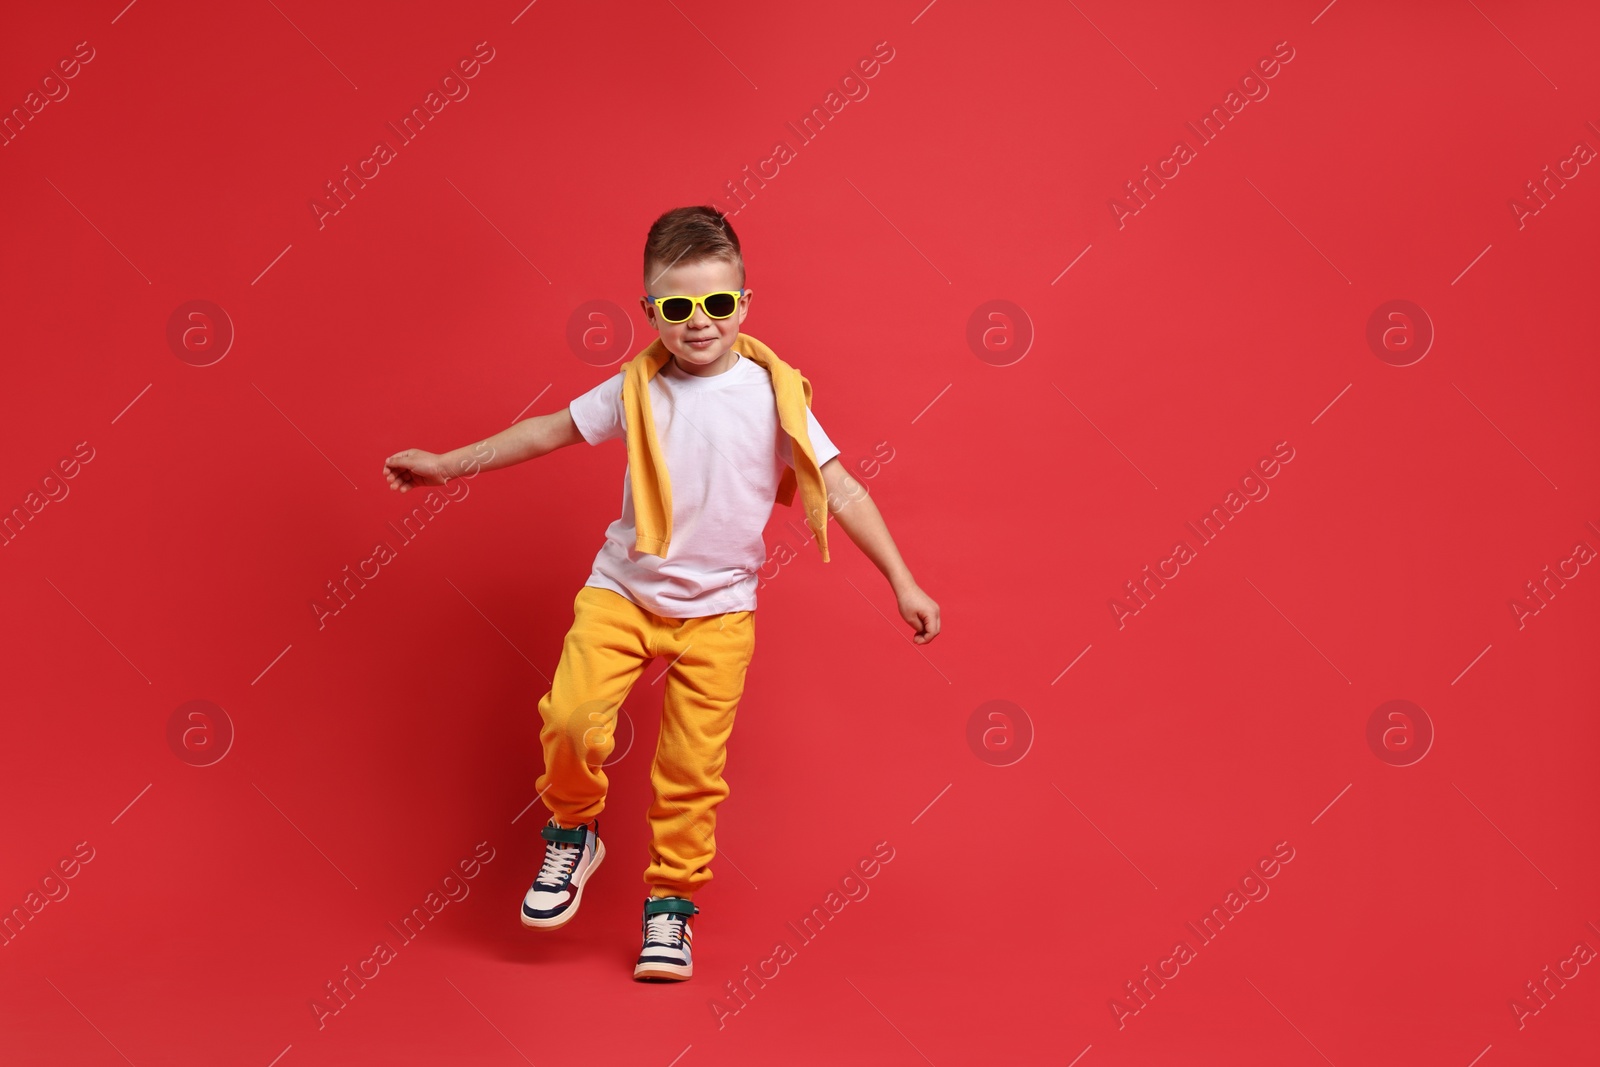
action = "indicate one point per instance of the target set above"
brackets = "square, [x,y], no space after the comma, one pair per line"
[585,728]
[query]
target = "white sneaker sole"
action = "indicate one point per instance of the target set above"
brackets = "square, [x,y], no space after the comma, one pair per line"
[674,972]
[579,879]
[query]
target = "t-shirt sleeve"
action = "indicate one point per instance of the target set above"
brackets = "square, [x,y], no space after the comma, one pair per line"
[598,413]
[820,443]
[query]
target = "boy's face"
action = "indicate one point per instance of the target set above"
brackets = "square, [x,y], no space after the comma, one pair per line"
[700,345]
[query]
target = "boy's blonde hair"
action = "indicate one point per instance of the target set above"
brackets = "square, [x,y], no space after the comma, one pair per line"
[688,235]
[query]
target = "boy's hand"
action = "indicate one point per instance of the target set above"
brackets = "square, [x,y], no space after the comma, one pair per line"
[414,467]
[919,609]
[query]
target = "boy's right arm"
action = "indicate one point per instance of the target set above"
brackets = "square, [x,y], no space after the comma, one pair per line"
[528,439]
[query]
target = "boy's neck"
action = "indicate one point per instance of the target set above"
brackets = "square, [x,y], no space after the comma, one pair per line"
[732,359]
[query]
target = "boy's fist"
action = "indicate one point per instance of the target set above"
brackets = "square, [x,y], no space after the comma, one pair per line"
[920,610]
[414,467]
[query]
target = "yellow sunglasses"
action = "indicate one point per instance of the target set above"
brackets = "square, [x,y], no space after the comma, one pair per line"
[681,308]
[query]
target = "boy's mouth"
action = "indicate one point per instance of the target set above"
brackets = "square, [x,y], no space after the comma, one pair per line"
[697,345]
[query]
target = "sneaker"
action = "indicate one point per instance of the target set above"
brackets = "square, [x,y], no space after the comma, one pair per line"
[570,857]
[667,940]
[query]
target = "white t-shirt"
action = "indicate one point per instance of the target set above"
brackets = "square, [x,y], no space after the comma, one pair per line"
[725,454]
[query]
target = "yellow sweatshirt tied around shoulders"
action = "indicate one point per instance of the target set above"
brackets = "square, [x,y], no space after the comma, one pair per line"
[647,466]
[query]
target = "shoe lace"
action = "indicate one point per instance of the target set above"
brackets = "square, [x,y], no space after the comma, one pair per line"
[664,929]
[559,860]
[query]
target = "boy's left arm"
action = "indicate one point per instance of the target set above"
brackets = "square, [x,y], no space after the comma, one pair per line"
[854,510]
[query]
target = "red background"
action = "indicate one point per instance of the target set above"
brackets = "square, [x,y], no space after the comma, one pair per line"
[1230,313]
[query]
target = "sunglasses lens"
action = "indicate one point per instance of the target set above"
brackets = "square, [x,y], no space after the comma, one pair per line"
[677,308]
[721,305]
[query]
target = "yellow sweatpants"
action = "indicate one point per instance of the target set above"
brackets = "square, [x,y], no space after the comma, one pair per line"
[604,653]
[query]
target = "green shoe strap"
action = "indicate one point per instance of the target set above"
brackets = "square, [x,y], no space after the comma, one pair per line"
[575,835]
[658,905]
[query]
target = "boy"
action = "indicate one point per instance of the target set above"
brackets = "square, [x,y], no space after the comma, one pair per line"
[718,429]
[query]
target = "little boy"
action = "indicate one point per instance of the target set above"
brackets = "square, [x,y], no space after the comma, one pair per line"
[718,429]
